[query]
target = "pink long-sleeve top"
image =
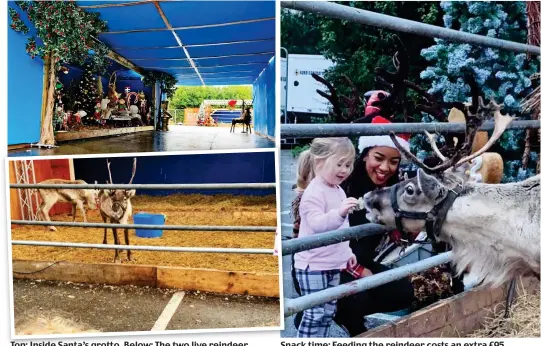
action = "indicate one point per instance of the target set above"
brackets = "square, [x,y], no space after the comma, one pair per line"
[319,213]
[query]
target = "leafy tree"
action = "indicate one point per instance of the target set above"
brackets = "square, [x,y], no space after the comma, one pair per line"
[358,49]
[192,96]
[65,34]
[501,74]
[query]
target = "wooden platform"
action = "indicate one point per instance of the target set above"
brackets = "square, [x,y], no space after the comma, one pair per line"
[189,279]
[63,136]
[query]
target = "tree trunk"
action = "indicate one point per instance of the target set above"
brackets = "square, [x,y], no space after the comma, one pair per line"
[47,132]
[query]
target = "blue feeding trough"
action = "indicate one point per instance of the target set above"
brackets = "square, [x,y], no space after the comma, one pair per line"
[148,219]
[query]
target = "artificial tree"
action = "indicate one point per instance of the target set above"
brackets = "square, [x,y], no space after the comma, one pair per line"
[167,86]
[87,92]
[65,34]
[501,74]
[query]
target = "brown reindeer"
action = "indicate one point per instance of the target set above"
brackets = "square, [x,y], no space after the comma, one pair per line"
[116,207]
[79,198]
[245,119]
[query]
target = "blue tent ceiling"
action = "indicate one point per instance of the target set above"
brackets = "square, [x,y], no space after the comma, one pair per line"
[219,42]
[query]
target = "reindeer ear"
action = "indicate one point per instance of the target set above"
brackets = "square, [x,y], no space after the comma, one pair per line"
[431,187]
[130,193]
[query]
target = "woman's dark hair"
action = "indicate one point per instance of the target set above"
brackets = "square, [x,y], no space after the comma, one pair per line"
[359,182]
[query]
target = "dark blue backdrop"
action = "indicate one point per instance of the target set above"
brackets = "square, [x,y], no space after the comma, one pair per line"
[184,169]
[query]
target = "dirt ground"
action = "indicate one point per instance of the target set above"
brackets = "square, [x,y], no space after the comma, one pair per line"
[179,210]
[129,308]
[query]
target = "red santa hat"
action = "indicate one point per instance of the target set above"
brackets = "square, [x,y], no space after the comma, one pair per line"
[382,141]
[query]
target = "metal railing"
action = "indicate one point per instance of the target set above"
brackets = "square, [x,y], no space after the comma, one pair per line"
[293,306]
[144,226]
[147,186]
[404,25]
[336,130]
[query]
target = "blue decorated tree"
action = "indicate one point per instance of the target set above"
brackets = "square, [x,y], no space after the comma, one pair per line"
[501,74]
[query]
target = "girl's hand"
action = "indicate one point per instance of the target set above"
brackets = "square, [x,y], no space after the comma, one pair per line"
[352,262]
[347,204]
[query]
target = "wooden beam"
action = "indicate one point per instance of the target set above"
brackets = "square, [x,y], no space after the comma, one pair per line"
[108,274]
[189,279]
[219,281]
[64,136]
[124,62]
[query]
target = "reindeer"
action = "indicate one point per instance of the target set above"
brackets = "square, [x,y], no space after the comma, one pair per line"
[79,198]
[116,207]
[245,119]
[493,228]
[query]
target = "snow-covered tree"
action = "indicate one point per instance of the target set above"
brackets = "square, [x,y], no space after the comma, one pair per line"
[501,74]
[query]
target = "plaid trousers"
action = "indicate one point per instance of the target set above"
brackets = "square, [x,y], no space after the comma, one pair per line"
[316,321]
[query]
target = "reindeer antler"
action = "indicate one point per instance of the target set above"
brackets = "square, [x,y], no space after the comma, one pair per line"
[501,123]
[353,103]
[394,80]
[332,97]
[477,112]
[133,169]
[109,169]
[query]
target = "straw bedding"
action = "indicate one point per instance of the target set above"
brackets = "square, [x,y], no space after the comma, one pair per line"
[179,210]
[523,321]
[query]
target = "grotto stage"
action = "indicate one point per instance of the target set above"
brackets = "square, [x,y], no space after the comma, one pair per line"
[178,138]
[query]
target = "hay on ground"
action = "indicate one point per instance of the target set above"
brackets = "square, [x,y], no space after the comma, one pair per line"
[522,323]
[179,210]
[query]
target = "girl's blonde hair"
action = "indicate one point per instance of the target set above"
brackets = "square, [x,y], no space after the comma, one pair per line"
[330,150]
[42,323]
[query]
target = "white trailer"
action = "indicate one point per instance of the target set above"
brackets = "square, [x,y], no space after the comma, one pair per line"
[301,87]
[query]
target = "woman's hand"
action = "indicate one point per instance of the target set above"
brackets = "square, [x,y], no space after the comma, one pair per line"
[347,204]
[366,272]
[352,262]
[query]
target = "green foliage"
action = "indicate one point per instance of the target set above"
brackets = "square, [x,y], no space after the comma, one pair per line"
[192,96]
[66,33]
[16,22]
[296,151]
[358,49]
[166,81]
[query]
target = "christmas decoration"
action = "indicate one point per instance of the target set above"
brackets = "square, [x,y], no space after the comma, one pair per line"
[67,35]
[88,95]
[129,96]
[112,95]
[166,81]
[122,109]
[503,75]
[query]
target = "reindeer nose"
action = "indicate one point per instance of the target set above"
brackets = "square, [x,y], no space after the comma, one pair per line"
[368,199]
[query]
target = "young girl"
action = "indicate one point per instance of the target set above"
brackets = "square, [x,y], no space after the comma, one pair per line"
[323,207]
